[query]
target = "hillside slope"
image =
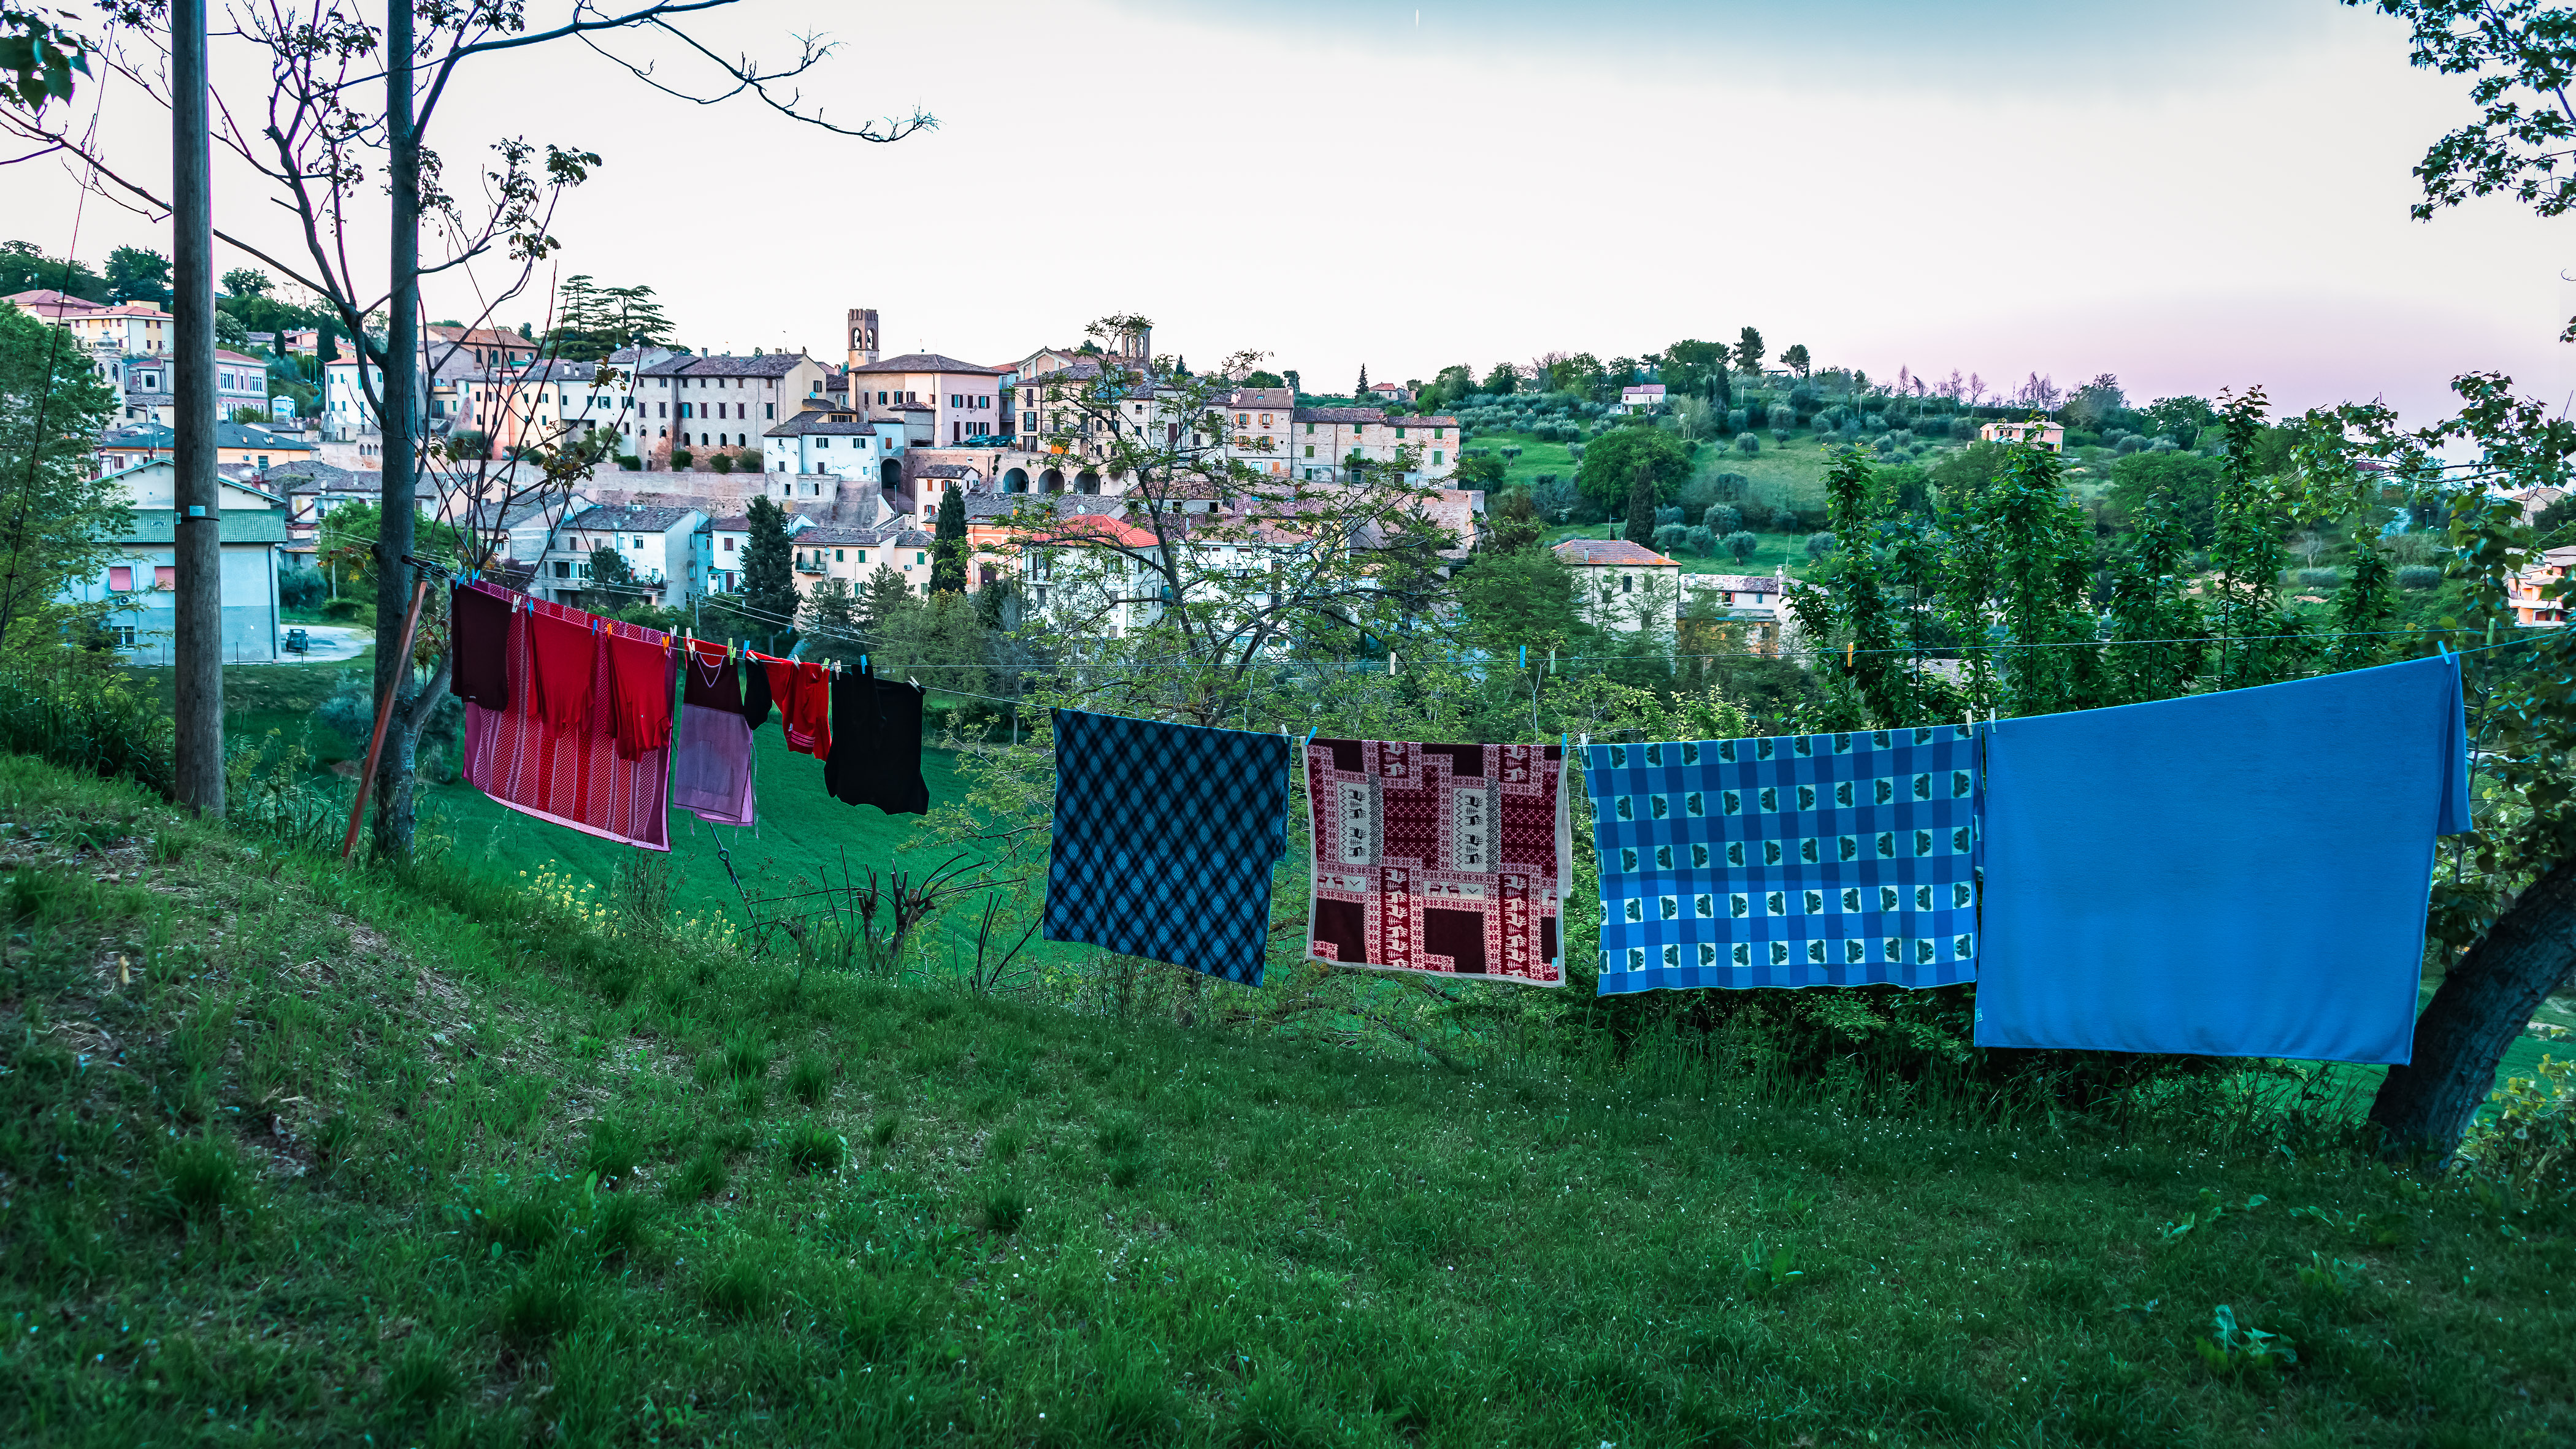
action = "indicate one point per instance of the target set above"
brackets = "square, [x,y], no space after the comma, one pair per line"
[295,1152]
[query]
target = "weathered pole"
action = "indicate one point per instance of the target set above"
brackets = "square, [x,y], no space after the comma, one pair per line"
[197,503]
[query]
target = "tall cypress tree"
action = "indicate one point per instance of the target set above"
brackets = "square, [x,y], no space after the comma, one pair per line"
[1641,507]
[948,545]
[768,577]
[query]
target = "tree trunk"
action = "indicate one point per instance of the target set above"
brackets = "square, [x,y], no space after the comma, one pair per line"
[394,412]
[2478,1011]
[197,512]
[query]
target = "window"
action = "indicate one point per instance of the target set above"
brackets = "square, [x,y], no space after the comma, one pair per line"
[863,555]
[822,442]
[769,410]
[955,401]
[1310,429]
[1310,450]
[1438,433]
[165,576]
[837,558]
[921,558]
[120,577]
[1243,420]
[1627,583]
[1436,456]
[728,543]
[1265,420]
[123,634]
[1399,432]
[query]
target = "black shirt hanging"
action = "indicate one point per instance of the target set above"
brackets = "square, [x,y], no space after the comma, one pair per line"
[876,745]
[482,633]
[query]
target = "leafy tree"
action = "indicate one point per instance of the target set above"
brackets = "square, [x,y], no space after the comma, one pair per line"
[609,569]
[768,575]
[831,622]
[1611,462]
[1481,470]
[1748,350]
[2187,481]
[1524,597]
[2096,404]
[229,331]
[1693,368]
[1513,518]
[2522,54]
[948,547]
[1360,392]
[1795,359]
[57,518]
[1742,545]
[886,600]
[247,282]
[24,267]
[2556,523]
[1503,381]
[2180,418]
[137,274]
[2261,636]
[2156,624]
[1264,379]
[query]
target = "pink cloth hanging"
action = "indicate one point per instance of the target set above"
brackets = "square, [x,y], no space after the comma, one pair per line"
[572,777]
[711,766]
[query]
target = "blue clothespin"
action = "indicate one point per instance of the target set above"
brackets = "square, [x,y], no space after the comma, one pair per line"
[1310,739]
[1525,656]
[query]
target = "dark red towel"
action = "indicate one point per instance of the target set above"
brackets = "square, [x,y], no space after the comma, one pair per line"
[566,654]
[639,691]
[573,779]
[481,625]
[804,699]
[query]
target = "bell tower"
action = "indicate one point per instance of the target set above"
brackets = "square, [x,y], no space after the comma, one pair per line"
[863,336]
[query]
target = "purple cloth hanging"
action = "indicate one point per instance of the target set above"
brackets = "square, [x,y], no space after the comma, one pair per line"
[711,760]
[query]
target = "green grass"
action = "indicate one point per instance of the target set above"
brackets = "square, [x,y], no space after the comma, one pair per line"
[292,1152]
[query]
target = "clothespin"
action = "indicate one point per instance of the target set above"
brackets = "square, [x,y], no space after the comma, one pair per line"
[1847,653]
[2444,646]
[1551,661]
[1525,656]
[1310,739]
[1390,663]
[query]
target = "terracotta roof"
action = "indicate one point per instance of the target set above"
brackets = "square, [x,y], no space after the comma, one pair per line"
[829,533]
[1341,415]
[1423,420]
[929,362]
[818,423]
[1609,551]
[1274,398]
[1095,528]
[943,470]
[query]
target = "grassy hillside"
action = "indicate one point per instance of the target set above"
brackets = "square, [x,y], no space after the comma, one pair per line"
[295,1152]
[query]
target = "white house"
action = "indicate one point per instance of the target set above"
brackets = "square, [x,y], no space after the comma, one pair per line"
[1644,397]
[141,581]
[965,398]
[843,444]
[1621,585]
[2045,434]
[664,548]
[730,539]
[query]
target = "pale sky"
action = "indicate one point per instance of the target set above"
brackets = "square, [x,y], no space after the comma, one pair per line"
[2191,195]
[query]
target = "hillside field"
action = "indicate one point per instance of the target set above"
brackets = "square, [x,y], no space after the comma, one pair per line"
[294,1152]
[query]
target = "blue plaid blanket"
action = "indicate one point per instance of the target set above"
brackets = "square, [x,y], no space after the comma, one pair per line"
[1164,839]
[1799,860]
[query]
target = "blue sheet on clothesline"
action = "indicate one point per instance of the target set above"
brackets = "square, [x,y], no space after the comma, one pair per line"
[1797,860]
[2234,874]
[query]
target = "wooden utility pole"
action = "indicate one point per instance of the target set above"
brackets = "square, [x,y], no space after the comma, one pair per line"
[400,431]
[197,502]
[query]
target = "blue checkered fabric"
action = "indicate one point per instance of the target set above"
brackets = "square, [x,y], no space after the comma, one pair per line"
[1799,860]
[1164,839]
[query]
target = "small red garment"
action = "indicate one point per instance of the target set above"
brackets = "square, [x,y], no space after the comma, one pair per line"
[565,653]
[639,692]
[803,695]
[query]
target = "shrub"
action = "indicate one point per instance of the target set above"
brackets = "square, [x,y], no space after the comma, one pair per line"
[2128,443]
[97,724]
[1785,519]
[1668,537]
[630,462]
[344,609]
[1783,416]
[2419,576]
[2529,1141]
[721,462]
[1963,428]
[1737,420]
[1668,515]
[1742,545]
[1556,498]
[1747,443]
[1723,518]
[1701,541]
[682,457]
[1779,435]
[2320,578]
[301,588]
[1819,544]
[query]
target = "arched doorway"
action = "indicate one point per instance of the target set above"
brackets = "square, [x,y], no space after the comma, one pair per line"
[1051,481]
[1016,481]
[1089,482]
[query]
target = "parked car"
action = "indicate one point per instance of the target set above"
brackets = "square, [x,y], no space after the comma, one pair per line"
[297,641]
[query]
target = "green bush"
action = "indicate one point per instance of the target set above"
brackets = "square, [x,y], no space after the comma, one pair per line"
[97,724]
[1747,443]
[722,462]
[681,457]
[2320,578]
[344,609]
[1742,545]
[2419,576]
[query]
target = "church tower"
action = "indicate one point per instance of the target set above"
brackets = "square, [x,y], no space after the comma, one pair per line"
[863,336]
